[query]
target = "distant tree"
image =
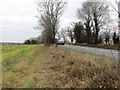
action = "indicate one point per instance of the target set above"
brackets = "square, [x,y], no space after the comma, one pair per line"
[58,35]
[94,15]
[107,38]
[79,33]
[100,40]
[116,7]
[118,39]
[70,32]
[27,42]
[116,10]
[33,41]
[115,38]
[100,15]
[84,14]
[63,33]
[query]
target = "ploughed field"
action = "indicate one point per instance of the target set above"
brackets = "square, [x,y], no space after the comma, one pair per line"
[37,66]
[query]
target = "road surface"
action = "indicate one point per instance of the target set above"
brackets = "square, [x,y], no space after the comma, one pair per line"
[106,52]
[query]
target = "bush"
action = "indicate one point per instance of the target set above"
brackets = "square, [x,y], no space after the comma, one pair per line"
[27,42]
[31,42]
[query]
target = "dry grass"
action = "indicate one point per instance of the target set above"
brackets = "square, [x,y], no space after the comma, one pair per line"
[9,80]
[54,68]
[81,71]
[22,65]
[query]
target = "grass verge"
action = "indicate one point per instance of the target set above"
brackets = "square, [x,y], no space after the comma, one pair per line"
[104,46]
[51,67]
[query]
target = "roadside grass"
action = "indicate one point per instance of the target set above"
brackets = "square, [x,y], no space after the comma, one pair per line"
[51,67]
[97,57]
[104,46]
[83,70]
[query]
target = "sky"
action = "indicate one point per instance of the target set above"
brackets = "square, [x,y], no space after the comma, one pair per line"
[17,19]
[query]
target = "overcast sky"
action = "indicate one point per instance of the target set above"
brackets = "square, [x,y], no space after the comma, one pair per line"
[17,19]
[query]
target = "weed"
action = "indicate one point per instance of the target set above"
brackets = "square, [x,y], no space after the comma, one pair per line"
[42,85]
[22,65]
[30,84]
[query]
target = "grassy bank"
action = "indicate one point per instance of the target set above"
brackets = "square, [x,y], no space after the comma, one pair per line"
[104,46]
[18,61]
[97,57]
[37,66]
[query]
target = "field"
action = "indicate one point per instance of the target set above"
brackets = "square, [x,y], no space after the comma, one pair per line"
[37,66]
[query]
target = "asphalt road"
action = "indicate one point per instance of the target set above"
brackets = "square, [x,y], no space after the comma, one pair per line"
[106,52]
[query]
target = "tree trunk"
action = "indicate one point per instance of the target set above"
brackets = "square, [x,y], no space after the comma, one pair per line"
[71,40]
[96,28]
[88,31]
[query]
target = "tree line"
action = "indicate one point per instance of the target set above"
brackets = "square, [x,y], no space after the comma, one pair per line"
[93,17]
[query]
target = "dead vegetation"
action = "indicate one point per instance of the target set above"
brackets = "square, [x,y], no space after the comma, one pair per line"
[80,71]
[50,67]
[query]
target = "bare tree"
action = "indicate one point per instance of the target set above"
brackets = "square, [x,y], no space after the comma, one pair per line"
[107,36]
[100,16]
[116,11]
[58,35]
[94,15]
[70,34]
[115,8]
[107,33]
[64,34]
[84,14]
[50,12]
